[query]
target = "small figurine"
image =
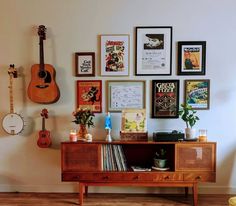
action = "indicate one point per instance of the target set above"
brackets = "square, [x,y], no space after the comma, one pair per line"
[108,127]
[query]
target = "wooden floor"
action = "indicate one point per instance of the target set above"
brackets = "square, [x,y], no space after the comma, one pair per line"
[66,199]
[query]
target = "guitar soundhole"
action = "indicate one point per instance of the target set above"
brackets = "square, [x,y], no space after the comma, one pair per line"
[42,74]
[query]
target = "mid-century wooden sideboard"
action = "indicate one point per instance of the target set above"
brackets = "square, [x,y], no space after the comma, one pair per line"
[92,164]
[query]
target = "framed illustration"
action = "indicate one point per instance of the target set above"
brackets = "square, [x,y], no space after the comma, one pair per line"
[115,55]
[197,93]
[84,64]
[153,50]
[165,98]
[191,57]
[89,95]
[134,120]
[125,94]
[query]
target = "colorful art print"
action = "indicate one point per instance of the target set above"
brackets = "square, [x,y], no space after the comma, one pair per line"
[197,93]
[165,98]
[114,55]
[89,95]
[126,94]
[153,50]
[134,120]
[85,64]
[192,58]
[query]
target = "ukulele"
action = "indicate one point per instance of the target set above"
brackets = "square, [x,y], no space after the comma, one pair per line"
[12,123]
[43,88]
[44,139]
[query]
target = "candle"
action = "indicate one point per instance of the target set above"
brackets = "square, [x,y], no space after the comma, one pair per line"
[73,135]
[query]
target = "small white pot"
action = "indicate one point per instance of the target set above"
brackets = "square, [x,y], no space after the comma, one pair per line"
[190,133]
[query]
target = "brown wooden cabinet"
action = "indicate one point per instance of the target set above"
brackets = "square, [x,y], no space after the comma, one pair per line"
[188,163]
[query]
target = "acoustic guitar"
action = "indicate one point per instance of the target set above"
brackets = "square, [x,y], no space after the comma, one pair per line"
[44,139]
[12,123]
[43,88]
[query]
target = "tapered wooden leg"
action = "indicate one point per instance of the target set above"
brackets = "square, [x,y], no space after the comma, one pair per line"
[86,190]
[81,193]
[186,191]
[195,194]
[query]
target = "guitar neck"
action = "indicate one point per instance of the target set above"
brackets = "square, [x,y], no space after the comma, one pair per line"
[41,54]
[11,94]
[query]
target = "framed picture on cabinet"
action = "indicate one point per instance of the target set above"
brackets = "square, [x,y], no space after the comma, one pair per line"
[85,64]
[165,98]
[197,93]
[89,95]
[115,55]
[191,57]
[125,94]
[153,50]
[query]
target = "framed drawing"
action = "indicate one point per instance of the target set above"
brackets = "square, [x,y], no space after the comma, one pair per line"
[89,95]
[126,94]
[153,50]
[197,93]
[134,120]
[115,55]
[84,64]
[191,57]
[165,98]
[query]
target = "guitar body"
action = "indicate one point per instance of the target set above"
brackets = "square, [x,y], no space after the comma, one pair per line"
[43,88]
[44,139]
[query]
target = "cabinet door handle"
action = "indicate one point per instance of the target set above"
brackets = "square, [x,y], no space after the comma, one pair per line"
[198,178]
[166,177]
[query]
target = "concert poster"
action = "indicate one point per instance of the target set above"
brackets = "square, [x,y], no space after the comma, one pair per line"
[89,95]
[165,98]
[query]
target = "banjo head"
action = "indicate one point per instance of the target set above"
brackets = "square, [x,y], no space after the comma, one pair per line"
[13,123]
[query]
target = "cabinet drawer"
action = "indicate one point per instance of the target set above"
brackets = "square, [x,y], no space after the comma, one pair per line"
[200,176]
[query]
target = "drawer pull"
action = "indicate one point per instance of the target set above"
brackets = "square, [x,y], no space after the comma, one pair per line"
[135,178]
[166,177]
[105,178]
[198,178]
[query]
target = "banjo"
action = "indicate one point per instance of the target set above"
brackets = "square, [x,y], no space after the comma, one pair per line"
[12,123]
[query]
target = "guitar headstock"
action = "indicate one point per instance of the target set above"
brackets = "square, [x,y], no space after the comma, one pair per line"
[44,113]
[42,32]
[12,71]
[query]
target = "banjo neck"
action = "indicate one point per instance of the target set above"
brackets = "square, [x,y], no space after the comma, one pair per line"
[11,94]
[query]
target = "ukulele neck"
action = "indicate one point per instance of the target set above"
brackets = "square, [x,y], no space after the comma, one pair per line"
[43,124]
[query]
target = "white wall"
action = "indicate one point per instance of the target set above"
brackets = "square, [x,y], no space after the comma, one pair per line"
[74,26]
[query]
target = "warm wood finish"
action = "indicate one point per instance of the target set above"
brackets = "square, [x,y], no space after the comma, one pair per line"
[65,199]
[189,163]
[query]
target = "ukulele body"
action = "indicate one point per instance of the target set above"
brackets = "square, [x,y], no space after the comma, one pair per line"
[43,88]
[44,139]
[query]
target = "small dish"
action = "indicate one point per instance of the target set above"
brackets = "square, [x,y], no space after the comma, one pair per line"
[160,169]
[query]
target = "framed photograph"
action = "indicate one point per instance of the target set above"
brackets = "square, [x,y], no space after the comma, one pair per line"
[197,93]
[165,98]
[126,94]
[134,120]
[191,57]
[153,50]
[85,64]
[115,55]
[89,95]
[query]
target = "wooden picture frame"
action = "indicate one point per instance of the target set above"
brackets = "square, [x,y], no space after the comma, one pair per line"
[85,64]
[165,98]
[191,58]
[153,51]
[125,94]
[89,95]
[115,55]
[197,93]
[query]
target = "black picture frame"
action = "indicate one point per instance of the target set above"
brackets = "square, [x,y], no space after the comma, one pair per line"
[165,98]
[191,57]
[153,51]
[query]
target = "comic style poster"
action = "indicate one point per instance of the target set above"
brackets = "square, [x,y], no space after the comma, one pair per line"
[165,103]
[114,54]
[197,93]
[89,95]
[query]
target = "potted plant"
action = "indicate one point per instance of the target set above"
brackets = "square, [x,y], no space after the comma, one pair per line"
[83,117]
[188,115]
[160,158]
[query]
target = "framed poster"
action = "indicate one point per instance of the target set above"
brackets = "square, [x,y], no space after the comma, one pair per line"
[153,50]
[165,98]
[134,120]
[84,64]
[115,55]
[89,95]
[191,57]
[126,94]
[197,93]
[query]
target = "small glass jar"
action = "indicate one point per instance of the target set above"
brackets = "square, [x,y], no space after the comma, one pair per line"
[73,135]
[202,135]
